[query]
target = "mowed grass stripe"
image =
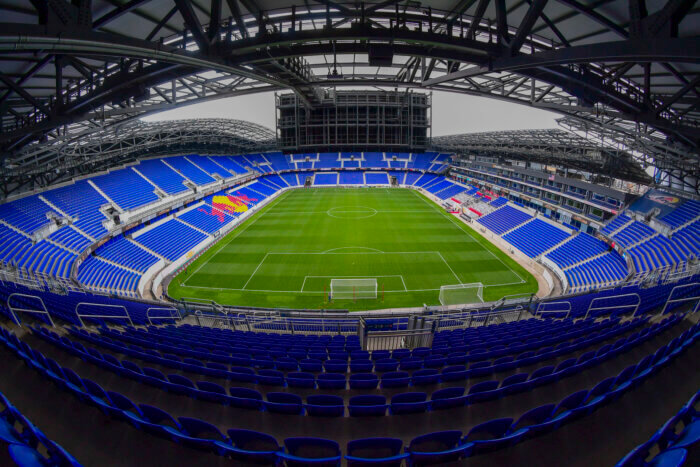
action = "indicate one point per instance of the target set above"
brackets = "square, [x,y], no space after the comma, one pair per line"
[275,252]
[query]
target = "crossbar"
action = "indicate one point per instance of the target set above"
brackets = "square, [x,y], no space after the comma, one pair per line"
[542,305]
[43,311]
[102,305]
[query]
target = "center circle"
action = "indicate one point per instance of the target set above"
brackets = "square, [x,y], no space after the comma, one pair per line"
[351,212]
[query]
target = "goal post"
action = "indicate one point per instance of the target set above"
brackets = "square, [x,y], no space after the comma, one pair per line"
[460,294]
[353,289]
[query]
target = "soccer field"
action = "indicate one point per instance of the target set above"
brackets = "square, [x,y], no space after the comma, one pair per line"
[287,254]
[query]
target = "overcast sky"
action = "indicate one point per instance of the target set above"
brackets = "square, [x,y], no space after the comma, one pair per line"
[452,113]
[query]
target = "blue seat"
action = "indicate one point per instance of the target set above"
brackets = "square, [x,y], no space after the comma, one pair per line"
[484,391]
[123,407]
[425,376]
[375,451]
[395,379]
[566,408]
[245,398]
[448,398]
[438,448]
[197,433]
[311,451]
[361,366]
[380,354]
[363,381]
[336,366]
[286,364]
[97,395]
[331,381]
[536,420]
[367,405]
[283,402]
[157,421]
[493,435]
[247,446]
[311,365]
[182,385]
[400,354]
[409,402]
[410,363]
[323,405]
[271,378]
[212,392]
[300,380]
[385,364]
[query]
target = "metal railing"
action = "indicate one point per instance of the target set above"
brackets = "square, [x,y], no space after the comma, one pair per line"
[13,309]
[541,308]
[614,307]
[670,300]
[170,316]
[102,305]
[477,318]
[392,340]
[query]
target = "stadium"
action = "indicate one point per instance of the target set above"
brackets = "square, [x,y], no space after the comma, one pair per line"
[350,284]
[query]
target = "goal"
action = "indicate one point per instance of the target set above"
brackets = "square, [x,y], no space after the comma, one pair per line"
[353,289]
[461,294]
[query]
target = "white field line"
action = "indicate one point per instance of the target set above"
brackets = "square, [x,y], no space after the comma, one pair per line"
[320,291]
[459,281]
[453,222]
[256,270]
[223,244]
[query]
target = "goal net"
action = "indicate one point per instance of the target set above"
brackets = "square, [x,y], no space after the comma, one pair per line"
[352,289]
[461,294]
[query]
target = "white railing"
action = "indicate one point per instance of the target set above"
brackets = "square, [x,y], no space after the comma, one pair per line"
[102,305]
[670,300]
[635,306]
[543,308]
[14,309]
[176,315]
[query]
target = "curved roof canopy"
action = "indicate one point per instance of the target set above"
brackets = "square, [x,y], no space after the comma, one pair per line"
[68,68]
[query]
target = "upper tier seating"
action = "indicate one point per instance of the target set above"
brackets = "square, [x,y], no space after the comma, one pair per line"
[82,202]
[171,239]
[615,224]
[122,251]
[70,238]
[278,161]
[326,179]
[230,163]
[126,188]
[11,242]
[655,253]
[162,176]
[45,258]
[376,178]
[504,219]
[351,178]
[422,161]
[374,159]
[578,249]
[634,233]
[536,237]
[683,214]
[202,218]
[189,170]
[688,238]
[208,165]
[426,179]
[27,214]
[327,160]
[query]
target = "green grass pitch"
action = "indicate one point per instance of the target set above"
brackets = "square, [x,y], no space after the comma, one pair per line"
[286,254]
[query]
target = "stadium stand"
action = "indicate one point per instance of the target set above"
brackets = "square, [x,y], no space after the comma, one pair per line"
[189,170]
[536,237]
[171,239]
[351,178]
[82,202]
[326,179]
[580,248]
[27,214]
[376,178]
[374,160]
[504,219]
[162,176]
[121,251]
[684,214]
[208,165]
[101,276]
[70,238]
[126,189]
[230,164]
[204,220]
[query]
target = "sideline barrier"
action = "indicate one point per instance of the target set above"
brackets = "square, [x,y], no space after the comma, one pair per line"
[43,311]
[102,305]
[171,309]
[542,305]
[614,307]
[682,300]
